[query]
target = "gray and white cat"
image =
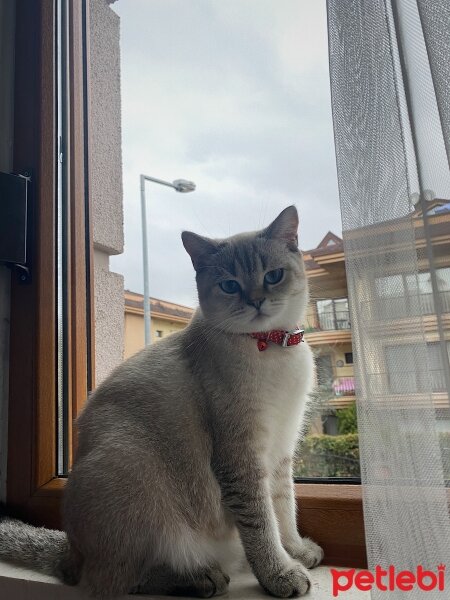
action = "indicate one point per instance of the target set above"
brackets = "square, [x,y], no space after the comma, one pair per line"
[185,450]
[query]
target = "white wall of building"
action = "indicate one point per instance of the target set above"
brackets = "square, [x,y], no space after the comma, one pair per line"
[106,184]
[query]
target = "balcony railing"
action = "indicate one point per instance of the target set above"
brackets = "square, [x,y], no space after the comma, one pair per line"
[407,382]
[328,321]
[397,307]
[335,387]
[344,386]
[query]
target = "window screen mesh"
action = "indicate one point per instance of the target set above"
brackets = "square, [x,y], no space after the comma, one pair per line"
[390,83]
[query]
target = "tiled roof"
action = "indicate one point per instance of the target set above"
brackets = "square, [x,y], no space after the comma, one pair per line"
[157,306]
[330,240]
[328,249]
[323,248]
[382,233]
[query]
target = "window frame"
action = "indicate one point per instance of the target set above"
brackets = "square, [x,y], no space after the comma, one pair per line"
[334,312]
[33,488]
[331,514]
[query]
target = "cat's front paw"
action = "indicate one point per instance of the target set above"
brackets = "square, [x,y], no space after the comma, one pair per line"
[292,581]
[307,552]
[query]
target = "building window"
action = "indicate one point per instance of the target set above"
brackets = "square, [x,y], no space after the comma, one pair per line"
[159,333]
[406,374]
[412,294]
[330,425]
[333,314]
[349,358]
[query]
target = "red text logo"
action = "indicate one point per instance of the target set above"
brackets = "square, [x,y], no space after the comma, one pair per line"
[388,579]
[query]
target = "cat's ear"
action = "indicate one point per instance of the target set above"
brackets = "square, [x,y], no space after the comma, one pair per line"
[197,247]
[285,227]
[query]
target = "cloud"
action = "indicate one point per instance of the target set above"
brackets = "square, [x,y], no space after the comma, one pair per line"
[235,96]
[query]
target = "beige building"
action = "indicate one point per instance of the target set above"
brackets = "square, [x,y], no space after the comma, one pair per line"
[328,329]
[410,305]
[166,318]
[400,302]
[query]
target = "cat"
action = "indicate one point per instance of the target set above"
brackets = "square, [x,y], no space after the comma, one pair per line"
[185,451]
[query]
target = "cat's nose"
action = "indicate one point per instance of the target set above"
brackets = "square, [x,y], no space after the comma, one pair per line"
[256,303]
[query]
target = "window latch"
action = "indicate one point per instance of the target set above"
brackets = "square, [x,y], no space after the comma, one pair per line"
[14,234]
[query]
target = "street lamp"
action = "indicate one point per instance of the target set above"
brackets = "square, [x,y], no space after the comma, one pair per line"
[179,185]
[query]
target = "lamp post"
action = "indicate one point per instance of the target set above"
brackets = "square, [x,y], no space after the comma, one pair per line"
[179,185]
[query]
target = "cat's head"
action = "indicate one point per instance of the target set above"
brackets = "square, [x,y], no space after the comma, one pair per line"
[252,281]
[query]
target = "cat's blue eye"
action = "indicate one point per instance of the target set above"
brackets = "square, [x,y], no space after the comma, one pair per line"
[230,286]
[273,277]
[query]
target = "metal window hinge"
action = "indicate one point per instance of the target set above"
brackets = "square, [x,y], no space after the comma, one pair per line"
[14,223]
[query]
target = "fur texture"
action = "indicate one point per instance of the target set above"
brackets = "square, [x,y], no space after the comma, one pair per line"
[185,450]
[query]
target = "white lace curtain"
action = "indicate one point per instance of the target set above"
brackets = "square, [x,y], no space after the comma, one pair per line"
[390,84]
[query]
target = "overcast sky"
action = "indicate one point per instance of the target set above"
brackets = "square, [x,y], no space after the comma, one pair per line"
[234,95]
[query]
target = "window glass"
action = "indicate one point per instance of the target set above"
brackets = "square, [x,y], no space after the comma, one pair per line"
[326,314]
[62,241]
[390,286]
[214,93]
[405,373]
[412,294]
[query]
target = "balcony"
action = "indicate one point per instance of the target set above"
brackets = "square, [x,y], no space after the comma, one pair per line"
[344,386]
[408,388]
[328,327]
[398,307]
[328,321]
[338,392]
[408,382]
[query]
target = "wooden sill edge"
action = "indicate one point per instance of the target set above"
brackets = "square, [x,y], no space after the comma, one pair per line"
[328,496]
[54,487]
[311,495]
[330,514]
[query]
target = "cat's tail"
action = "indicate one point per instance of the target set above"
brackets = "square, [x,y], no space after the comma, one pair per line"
[40,549]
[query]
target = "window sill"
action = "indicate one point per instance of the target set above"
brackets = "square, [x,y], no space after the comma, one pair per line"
[23,584]
[332,515]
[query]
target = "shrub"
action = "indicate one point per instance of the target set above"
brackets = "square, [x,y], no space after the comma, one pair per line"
[321,455]
[347,422]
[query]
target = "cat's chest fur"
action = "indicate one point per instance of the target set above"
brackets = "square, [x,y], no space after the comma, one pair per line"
[282,383]
[268,390]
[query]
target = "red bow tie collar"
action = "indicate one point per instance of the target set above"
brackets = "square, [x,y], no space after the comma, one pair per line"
[278,336]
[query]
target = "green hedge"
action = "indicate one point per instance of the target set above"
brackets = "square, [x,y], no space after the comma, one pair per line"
[321,455]
[347,421]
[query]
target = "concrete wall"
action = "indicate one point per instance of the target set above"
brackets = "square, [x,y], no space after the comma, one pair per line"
[109,317]
[106,184]
[339,355]
[134,331]
[7,16]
